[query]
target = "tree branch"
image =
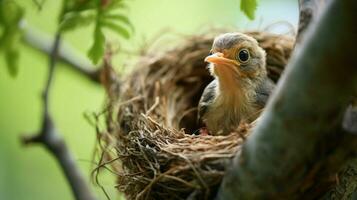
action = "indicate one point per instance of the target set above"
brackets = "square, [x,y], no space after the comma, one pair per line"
[308,10]
[52,140]
[42,42]
[299,139]
[346,183]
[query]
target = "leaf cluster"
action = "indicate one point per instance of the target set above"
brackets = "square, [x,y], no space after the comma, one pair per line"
[104,14]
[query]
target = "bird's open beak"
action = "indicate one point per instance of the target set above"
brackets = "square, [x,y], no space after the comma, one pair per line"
[219,59]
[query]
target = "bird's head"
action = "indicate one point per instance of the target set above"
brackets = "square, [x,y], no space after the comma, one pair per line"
[236,58]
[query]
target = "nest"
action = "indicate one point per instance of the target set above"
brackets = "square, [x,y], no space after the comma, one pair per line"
[151,126]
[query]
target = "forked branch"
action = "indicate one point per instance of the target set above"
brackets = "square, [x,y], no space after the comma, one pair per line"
[53,141]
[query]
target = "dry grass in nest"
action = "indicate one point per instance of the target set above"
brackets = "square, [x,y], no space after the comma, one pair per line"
[150,126]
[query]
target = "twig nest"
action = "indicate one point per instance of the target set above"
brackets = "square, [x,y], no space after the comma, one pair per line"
[151,125]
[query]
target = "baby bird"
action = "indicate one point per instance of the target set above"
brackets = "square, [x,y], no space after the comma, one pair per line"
[241,87]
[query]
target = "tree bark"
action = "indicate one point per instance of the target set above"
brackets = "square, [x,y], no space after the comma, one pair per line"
[346,188]
[308,11]
[53,141]
[346,184]
[298,143]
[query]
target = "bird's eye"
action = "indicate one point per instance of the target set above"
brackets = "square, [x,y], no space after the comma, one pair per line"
[243,55]
[210,53]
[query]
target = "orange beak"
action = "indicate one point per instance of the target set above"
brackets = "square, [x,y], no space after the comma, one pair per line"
[219,59]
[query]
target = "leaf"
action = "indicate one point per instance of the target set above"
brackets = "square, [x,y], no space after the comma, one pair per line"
[248,7]
[10,16]
[9,43]
[10,13]
[80,5]
[117,4]
[97,50]
[12,59]
[117,28]
[74,20]
[120,18]
[102,14]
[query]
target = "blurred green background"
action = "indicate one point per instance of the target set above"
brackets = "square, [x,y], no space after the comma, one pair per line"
[32,173]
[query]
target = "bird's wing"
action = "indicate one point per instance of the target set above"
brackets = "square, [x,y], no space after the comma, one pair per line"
[207,97]
[263,92]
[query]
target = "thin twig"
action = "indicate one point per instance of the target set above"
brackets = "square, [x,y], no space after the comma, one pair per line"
[39,4]
[52,140]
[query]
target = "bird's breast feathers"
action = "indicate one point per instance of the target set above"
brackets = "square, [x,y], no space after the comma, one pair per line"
[228,110]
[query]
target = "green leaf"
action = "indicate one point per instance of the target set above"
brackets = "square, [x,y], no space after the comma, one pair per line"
[12,59]
[97,50]
[74,20]
[80,5]
[10,13]
[120,18]
[9,43]
[104,15]
[117,4]
[10,16]
[116,28]
[248,7]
